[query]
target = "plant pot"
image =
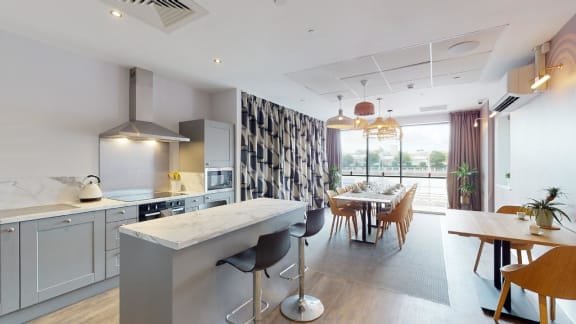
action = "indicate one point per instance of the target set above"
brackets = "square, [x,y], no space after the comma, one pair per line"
[544,217]
[465,198]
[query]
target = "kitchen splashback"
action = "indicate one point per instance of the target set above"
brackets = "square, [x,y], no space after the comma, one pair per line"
[20,192]
[133,165]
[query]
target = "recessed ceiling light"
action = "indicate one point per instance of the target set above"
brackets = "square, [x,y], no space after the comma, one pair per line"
[456,77]
[217,60]
[463,47]
[116,13]
[311,30]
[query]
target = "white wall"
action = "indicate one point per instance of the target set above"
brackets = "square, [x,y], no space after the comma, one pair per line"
[54,104]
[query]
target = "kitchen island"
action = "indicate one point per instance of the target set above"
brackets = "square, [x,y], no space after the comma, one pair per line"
[168,270]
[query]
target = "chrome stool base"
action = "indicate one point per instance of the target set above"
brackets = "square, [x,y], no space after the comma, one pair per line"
[306,309]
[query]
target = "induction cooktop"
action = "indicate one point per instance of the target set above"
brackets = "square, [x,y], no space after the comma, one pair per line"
[146,196]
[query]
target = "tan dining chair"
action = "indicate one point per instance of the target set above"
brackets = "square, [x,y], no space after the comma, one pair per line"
[398,217]
[549,276]
[340,214]
[519,247]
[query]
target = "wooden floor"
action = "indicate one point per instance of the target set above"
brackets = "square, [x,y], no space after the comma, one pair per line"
[345,300]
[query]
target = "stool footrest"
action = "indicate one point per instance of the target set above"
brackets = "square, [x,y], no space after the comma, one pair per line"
[283,276]
[265,306]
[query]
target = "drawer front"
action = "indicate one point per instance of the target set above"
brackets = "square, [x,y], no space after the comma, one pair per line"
[121,213]
[113,233]
[68,220]
[194,201]
[218,196]
[112,263]
[191,209]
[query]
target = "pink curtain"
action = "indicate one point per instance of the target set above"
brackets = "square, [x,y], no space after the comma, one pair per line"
[464,147]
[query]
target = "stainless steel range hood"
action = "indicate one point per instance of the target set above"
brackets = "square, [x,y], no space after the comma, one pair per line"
[140,125]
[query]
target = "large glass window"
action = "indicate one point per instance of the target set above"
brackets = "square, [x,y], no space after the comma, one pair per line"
[420,157]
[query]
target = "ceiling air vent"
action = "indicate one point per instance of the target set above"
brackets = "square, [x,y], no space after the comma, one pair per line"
[433,108]
[166,15]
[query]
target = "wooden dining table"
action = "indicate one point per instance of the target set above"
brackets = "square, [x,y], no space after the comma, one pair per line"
[503,229]
[367,198]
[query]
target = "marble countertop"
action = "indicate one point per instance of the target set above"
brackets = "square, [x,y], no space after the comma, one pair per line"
[69,208]
[182,231]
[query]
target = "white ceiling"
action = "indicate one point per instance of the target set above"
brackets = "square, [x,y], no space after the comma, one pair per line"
[262,43]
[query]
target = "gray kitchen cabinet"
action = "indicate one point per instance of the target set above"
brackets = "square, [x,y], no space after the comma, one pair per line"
[112,263]
[227,196]
[193,203]
[211,145]
[121,213]
[113,233]
[60,254]
[9,268]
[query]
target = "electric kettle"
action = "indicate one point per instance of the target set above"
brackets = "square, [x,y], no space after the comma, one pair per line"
[90,190]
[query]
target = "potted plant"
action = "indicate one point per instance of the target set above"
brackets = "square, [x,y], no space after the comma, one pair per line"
[466,188]
[545,211]
[334,178]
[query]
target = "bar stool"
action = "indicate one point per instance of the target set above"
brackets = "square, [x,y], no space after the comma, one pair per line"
[270,249]
[301,307]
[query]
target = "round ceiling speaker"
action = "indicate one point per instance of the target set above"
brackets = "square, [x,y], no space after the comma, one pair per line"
[364,108]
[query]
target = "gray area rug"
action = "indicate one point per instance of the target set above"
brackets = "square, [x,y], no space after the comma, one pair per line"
[417,270]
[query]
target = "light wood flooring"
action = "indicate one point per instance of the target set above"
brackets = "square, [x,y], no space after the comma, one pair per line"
[346,300]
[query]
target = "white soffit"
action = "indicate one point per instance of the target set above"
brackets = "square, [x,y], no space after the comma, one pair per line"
[417,67]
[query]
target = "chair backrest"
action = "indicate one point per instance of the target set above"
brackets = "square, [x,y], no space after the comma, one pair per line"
[340,190]
[511,209]
[314,221]
[331,193]
[400,210]
[552,274]
[271,248]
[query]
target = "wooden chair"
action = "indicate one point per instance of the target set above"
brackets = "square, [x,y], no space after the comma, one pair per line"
[396,216]
[550,275]
[519,247]
[341,213]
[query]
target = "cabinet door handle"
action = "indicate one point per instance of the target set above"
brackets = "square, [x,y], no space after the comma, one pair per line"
[68,220]
[207,197]
[123,212]
[10,230]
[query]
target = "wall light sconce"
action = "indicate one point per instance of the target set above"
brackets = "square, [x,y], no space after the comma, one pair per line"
[476,121]
[540,66]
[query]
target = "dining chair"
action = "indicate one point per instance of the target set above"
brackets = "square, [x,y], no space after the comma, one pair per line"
[519,247]
[396,216]
[341,213]
[548,276]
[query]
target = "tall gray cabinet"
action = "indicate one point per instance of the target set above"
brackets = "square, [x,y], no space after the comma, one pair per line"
[211,145]
[61,254]
[9,268]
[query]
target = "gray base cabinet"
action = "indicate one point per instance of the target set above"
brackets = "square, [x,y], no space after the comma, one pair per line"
[227,196]
[61,254]
[9,268]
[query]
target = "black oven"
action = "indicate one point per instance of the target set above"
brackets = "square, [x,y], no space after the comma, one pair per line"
[155,210]
[216,179]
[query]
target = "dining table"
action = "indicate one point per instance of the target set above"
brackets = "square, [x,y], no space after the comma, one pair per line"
[384,200]
[503,229]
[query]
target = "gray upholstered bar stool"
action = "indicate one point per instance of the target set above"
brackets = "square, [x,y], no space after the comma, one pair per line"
[270,249]
[301,307]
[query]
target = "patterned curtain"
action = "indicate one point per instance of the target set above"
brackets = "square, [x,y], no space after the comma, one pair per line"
[283,153]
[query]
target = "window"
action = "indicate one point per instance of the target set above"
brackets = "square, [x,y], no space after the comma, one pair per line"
[420,157]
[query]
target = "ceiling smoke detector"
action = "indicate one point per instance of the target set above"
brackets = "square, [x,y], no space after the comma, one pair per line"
[166,15]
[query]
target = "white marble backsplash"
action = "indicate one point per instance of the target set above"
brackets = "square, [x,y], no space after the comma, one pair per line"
[193,181]
[35,191]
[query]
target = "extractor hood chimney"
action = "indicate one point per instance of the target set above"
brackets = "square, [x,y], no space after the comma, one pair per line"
[140,125]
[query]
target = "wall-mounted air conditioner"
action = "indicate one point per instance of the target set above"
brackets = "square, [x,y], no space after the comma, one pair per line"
[513,90]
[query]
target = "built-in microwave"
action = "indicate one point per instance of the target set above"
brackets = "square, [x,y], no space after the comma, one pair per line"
[217,179]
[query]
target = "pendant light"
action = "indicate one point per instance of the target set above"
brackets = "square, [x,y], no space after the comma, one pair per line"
[340,121]
[391,129]
[364,108]
[379,122]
